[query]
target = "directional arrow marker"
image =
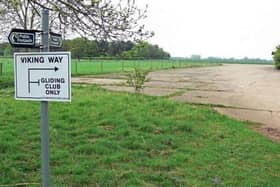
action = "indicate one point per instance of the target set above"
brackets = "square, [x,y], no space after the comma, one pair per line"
[55,40]
[38,69]
[22,38]
[55,69]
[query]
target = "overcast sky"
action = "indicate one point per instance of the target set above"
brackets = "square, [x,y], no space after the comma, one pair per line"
[224,28]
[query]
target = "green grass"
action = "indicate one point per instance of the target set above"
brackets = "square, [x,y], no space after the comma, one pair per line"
[110,66]
[104,138]
[86,67]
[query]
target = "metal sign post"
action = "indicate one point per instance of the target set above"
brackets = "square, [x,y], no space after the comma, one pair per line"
[44,106]
[44,76]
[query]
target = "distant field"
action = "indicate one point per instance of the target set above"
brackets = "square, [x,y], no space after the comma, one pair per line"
[110,66]
[104,138]
[85,67]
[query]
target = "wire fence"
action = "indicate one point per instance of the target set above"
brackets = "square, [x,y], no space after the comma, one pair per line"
[89,66]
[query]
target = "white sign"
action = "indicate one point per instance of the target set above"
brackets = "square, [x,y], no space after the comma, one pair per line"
[44,76]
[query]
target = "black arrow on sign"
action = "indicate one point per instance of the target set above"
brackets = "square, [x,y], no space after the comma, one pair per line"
[38,69]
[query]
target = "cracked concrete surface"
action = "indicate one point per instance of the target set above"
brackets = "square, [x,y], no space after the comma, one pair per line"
[245,92]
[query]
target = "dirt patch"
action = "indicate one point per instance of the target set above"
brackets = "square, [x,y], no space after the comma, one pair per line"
[99,81]
[271,132]
[246,92]
[269,120]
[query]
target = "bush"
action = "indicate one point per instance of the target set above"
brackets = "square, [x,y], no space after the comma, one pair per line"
[136,79]
[276,57]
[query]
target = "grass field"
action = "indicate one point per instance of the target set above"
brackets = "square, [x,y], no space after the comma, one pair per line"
[93,67]
[104,138]
[85,67]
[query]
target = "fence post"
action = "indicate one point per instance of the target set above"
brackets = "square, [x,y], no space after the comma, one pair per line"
[77,65]
[1,69]
[101,66]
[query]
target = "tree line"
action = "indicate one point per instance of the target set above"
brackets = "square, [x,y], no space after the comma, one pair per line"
[84,48]
[245,60]
[81,48]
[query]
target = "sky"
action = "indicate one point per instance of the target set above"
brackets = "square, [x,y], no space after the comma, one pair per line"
[219,28]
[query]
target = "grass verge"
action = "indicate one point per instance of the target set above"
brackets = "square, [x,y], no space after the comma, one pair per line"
[104,138]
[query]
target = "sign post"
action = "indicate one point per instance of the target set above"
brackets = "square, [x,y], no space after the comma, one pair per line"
[43,76]
[44,106]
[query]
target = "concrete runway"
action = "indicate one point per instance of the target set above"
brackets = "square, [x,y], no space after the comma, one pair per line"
[245,92]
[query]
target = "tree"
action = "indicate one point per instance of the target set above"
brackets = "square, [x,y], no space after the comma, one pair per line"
[145,50]
[117,47]
[6,49]
[99,19]
[77,46]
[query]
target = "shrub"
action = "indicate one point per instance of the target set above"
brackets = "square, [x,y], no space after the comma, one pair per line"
[137,79]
